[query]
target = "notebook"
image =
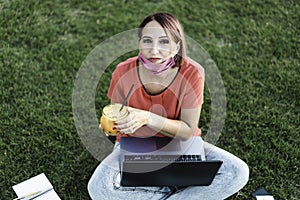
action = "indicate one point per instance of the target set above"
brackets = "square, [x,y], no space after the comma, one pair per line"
[38,188]
[157,161]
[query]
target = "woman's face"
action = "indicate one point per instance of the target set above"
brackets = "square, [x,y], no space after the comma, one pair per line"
[155,44]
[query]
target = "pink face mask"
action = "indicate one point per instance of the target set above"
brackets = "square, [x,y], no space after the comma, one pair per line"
[156,69]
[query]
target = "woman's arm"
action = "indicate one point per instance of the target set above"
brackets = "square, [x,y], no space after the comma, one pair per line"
[183,128]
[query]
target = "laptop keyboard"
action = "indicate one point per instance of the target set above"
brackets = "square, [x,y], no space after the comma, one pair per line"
[163,158]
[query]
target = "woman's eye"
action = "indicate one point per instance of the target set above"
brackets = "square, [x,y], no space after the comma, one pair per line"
[147,41]
[164,41]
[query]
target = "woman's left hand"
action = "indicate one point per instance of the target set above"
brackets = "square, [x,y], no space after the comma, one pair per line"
[134,120]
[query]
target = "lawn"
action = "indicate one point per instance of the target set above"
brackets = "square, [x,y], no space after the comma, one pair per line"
[255,45]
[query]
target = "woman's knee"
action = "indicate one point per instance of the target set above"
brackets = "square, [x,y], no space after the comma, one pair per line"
[244,172]
[96,185]
[241,173]
[92,188]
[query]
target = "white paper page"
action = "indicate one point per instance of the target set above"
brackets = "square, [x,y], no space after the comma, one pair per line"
[49,195]
[264,197]
[34,184]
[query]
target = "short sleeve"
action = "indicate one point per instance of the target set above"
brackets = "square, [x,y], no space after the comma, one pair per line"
[115,90]
[194,89]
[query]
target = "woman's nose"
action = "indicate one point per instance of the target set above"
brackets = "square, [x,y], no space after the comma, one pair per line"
[155,49]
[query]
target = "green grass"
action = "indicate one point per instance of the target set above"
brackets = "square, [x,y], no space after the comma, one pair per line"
[43,43]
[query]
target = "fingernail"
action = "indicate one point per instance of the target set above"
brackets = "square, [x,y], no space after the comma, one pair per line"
[114,128]
[115,123]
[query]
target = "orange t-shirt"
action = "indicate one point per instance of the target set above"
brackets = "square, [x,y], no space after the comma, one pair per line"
[185,91]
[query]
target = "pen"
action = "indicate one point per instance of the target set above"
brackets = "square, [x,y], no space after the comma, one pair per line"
[33,195]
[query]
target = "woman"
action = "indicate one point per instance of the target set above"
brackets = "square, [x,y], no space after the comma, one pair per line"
[165,102]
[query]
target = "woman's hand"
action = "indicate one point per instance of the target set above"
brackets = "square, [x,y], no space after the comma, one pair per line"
[182,128]
[100,127]
[134,120]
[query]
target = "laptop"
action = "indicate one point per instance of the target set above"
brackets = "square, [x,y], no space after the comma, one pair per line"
[163,161]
